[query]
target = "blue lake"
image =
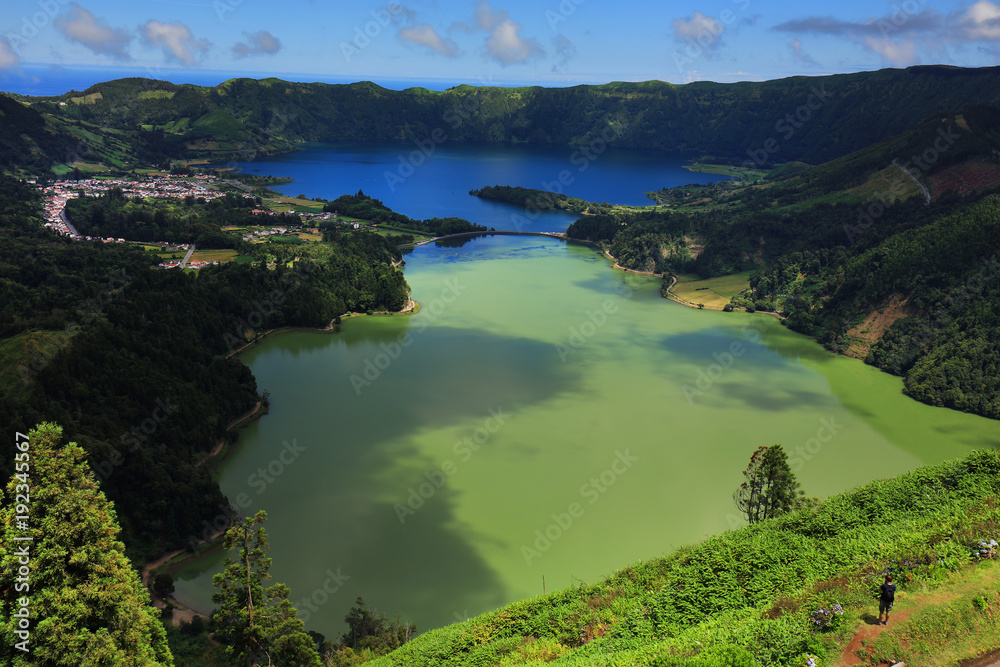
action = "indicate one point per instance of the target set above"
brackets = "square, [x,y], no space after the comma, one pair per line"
[434,181]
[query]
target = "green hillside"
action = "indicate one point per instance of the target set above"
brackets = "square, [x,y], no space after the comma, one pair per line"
[888,254]
[812,119]
[751,596]
[94,336]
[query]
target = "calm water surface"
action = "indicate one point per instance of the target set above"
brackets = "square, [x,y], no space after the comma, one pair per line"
[435,182]
[543,416]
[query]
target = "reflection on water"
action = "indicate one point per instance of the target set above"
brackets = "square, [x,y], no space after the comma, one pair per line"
[408,489]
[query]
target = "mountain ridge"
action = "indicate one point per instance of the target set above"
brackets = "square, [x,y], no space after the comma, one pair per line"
[734,121]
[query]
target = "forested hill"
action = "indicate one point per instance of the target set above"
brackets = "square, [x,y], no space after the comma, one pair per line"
[28,140]
[812,119]
[890,254]
[134,360]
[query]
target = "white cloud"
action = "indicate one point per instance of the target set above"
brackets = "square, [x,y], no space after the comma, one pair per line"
[700,29]
[79,25]
[796,46]
[902,36]
[982,21]
[425,35]
[900,53]
[8,58]
[175,39]
[506,46]
[486,17]
[505,43]
[259,43]
[565,51]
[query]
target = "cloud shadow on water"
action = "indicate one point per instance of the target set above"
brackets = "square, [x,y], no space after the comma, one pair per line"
[428,568]
[771,397]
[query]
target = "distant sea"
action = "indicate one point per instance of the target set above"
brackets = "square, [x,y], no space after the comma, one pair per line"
[45,80]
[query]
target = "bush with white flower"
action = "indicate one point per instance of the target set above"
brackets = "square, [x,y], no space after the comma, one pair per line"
[985,549]
[827,618]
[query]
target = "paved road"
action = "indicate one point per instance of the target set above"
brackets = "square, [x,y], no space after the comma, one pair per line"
[241,186]
[71,228]
[187,257]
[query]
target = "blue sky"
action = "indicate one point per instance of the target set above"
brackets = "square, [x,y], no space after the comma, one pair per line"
[548,42]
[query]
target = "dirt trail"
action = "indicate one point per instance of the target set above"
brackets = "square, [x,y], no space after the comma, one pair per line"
[867,633]
[912,603]
[991,659]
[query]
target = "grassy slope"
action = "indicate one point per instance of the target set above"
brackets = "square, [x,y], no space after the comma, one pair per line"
[747,596]
[713,292]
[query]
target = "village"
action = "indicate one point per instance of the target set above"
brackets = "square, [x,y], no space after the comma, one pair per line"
[58,193]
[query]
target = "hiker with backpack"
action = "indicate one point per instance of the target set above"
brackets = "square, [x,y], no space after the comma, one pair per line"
[886,596]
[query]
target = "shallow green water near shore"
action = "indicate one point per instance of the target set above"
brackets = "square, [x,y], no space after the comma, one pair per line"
[543,416]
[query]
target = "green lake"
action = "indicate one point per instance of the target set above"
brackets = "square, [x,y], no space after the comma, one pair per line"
[543,416]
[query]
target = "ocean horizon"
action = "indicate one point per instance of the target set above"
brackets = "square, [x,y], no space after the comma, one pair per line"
[48,80]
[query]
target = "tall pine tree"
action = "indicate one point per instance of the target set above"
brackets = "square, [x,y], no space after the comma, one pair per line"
[261,624]
[770,488]
[86,603]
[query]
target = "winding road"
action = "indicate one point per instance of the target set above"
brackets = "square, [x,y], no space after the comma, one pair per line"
[916,180]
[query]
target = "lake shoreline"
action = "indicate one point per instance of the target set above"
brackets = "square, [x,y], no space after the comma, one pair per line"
[173,559]
[411,308]
[670,296]
[169,561]
[527,305]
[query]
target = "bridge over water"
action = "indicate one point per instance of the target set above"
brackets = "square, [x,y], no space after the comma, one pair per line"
[468,235]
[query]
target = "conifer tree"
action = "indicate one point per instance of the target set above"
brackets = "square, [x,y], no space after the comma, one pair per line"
[261,624]
[86,603]
[770,488]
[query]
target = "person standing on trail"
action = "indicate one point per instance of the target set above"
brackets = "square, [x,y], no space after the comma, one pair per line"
[886,596]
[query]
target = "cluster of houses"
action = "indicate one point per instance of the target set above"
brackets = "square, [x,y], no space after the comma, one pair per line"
[318,216]
[263,233]
[193,264]
[177,187]
[59,192]
[55,203]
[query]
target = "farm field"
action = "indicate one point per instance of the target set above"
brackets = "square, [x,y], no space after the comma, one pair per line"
[220,256]
[294,205]
[713,292]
